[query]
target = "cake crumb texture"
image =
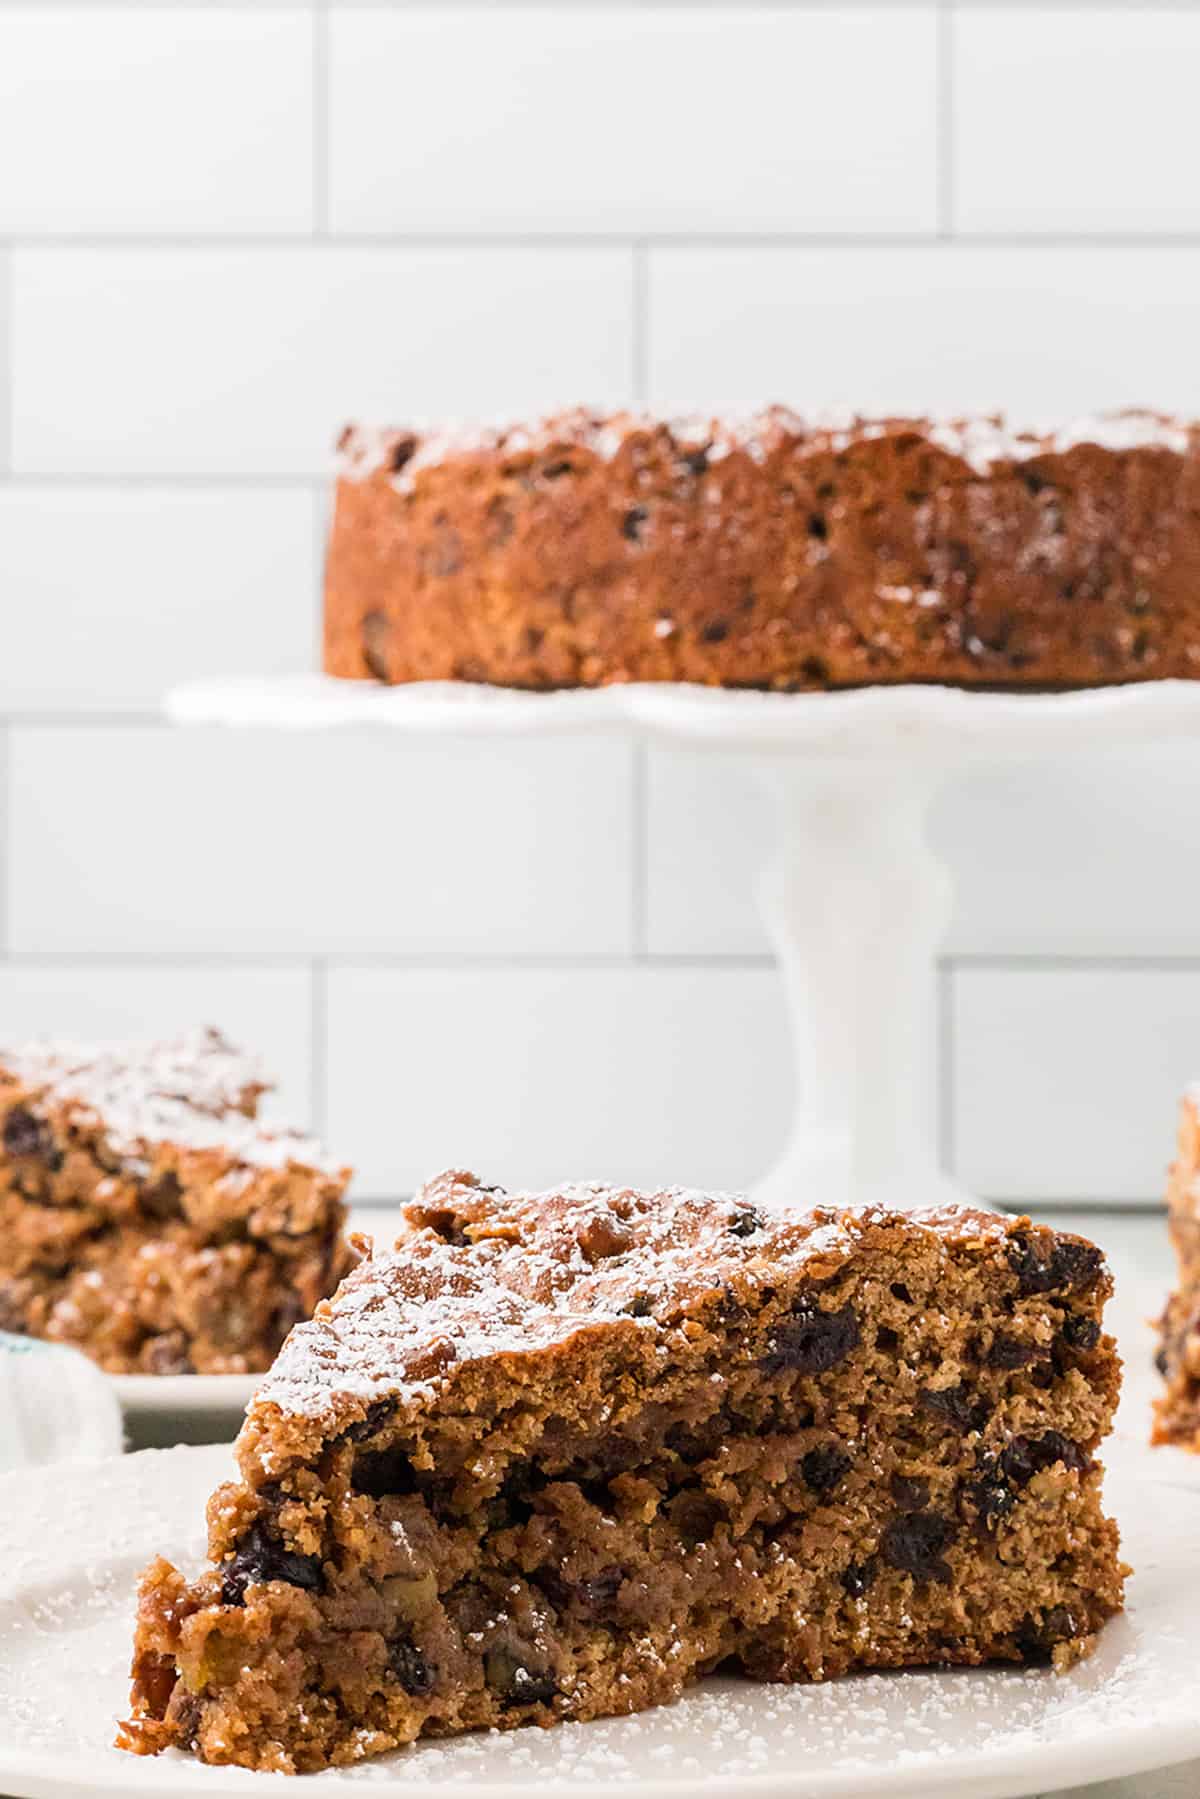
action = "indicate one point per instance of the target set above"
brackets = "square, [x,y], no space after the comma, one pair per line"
[149,1217]
[557,1456]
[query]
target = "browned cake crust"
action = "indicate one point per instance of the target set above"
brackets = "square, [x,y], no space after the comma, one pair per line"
[777,554]
[1177,1410]
[558,1456]
[148,1218]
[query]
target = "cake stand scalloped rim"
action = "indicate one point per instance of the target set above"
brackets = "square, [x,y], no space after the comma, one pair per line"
[853,722]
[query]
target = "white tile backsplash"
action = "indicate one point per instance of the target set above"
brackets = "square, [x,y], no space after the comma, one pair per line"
[1089,856]
[532,1076]
[1066,1080]
[1077,856]
[208,583]
[249,361]
[1042,332]
[226,229]
[5,363]
[127,840]
[1108,136]
[268,1010]
[709,831]
[495,127]
[185,119]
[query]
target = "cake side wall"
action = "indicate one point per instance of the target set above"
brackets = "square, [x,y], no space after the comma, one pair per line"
[797,559]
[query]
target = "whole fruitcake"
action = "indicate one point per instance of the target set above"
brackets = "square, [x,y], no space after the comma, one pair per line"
[777,553]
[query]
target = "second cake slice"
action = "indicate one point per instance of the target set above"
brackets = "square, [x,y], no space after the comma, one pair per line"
[558,1455]
[148,1216]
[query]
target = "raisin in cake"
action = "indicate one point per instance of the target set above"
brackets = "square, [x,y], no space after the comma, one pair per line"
[557,1456]
[148,1217]
[1177,1411]
[780,553]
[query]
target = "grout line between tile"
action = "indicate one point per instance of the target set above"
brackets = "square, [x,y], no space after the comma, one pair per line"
[436,961]
[317,592]
[8,362]
[6,837]
[1051,961]
[946,1069]
[318,1048]
[945,134]
[267,243]
[730,6]
[639,346]
[640,854]
[516,959]
[552,959]
[320,119]
[141,481]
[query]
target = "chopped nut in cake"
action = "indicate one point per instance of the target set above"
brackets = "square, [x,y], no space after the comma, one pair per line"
[557,1456]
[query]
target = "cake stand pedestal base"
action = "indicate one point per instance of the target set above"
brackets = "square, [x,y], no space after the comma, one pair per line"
[856,905]
[855,902]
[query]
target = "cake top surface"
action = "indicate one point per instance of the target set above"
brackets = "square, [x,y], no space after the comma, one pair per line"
[196,1091]
[478,1272]
[981,440]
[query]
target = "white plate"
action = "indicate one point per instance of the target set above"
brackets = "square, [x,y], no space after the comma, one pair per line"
[183,1395]
[72,1539]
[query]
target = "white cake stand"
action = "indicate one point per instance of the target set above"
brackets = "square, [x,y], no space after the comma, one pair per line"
[855,902]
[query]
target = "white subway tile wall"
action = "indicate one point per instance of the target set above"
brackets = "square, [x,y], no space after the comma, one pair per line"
[652,1074]
[948,325]
[1018,116]
[174,121]
[1040,1053]
[128,840]
[1084,857]
[247,361]
[109,591]
[613,121]
[226,229]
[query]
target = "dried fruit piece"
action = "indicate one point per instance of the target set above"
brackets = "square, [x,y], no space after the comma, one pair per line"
[913,1543]
[812,1341]
[260,1557]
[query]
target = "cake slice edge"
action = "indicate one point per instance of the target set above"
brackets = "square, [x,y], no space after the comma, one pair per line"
[617,1440]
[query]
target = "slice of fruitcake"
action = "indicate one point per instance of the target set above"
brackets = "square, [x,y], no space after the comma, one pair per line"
[149,1217]
[1177,1410]
[556,1456]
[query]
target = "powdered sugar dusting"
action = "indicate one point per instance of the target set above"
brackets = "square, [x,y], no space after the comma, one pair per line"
[983,440]
[197,1092]
[480,1273]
